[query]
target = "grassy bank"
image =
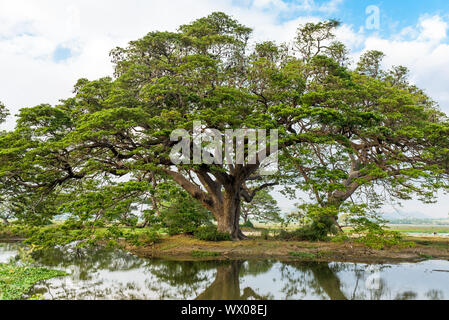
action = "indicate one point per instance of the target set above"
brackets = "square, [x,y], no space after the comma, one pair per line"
[261,245]
[187,248]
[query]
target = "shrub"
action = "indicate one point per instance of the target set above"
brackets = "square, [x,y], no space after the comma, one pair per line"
[184,219]
[145,237]
[210,233]
[307,233]
[150,237]
[374,235]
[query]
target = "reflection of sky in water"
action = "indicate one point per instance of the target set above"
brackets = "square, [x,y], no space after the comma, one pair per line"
[137,284]
[7,252]
[273,283]
[414,280]
[117,275]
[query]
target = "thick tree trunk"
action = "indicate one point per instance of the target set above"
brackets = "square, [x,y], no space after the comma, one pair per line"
[228,216]
[328,281]
[225,206]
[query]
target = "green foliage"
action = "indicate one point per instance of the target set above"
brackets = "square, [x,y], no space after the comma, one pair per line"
[133,236]
[182,213]
[341,238]
[306,233]
[109,202]
[210,233]
[114,232]
[263,208]
[145,238]
[58,235]
[73,224]
[374,235]
[361,134]
[318,222]
[16,281]
[16,230]
[32,209]
[25,255]
[3,112]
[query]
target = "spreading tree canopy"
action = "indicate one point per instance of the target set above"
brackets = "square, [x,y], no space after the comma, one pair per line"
[338,128]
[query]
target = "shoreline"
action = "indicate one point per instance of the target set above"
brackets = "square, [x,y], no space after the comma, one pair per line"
[181,248]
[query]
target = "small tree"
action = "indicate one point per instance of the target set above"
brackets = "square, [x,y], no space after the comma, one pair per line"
[264,208]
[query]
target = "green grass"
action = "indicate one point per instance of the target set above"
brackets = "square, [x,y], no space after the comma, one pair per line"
[205,254]
[170,246]
[16,281]
[425,256]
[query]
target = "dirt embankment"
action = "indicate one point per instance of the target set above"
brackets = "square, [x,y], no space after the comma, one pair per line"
[184,248]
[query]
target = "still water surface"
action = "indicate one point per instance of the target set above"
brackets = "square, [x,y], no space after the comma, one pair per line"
[114,274]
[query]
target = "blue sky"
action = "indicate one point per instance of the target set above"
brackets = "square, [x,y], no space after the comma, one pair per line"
[46,45]
[396,14]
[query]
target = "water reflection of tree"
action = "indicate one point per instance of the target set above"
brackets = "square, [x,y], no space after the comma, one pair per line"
[435,295]
[85,262]
[203,280]
[407,295]
[87,267]
[180,279]
[369,285]
[193,279]
[226,285]
[93,290]
[312,279]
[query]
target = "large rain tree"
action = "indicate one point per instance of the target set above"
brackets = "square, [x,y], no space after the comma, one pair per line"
[208,71]
[165,81]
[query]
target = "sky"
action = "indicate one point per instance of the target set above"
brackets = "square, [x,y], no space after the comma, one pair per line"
[46,45]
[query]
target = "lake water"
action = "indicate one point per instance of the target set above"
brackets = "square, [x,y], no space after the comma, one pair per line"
[114,274]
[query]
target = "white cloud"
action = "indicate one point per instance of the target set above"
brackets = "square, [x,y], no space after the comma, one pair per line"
[432,28]
[424,50]
[31,31]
